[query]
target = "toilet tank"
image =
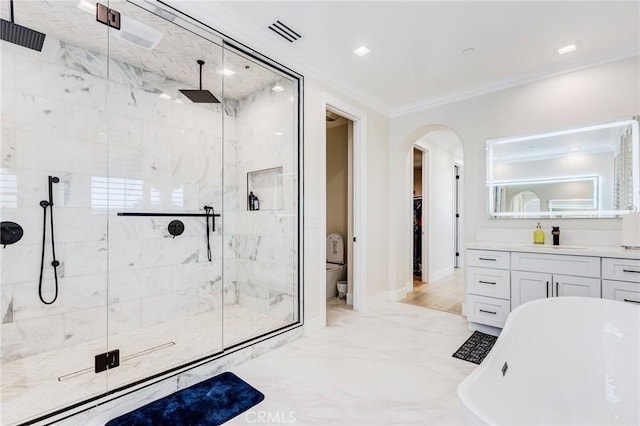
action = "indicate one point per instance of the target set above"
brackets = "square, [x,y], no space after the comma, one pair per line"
[335,249]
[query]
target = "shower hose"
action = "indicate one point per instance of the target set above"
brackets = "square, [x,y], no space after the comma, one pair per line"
[48,204]
[209,213]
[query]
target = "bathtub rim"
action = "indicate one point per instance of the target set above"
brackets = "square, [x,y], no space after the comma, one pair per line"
[463,387]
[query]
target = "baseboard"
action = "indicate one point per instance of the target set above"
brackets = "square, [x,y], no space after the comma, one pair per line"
[378,299]
[401,293]
[441,274]
[312,325]
[486,329]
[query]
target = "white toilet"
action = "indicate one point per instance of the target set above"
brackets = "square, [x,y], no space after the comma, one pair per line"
[336,269]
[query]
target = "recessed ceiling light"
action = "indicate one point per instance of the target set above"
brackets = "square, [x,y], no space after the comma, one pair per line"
[575,148]
[469,51]
[226,72]
[164,96]
[566,49]
[279,133]
[277,88]
[361,51]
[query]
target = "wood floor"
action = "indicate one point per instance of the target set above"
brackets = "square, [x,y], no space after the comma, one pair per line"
[442,295]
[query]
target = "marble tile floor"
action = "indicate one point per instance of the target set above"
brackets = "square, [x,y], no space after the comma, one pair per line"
[390,365]
[445,294]
[30,386]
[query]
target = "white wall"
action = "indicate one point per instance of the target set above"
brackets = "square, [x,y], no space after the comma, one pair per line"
[599,94]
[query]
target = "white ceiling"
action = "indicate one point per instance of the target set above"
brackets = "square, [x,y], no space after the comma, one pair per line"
[416,58]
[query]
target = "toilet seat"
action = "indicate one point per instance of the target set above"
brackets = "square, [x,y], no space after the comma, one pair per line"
[333,267]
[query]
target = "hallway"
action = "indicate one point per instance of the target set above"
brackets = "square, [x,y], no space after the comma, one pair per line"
[442,295]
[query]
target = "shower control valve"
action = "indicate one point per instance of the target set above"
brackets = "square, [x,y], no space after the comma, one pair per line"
[11,233]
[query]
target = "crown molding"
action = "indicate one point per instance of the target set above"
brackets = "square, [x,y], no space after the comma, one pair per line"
[541,73]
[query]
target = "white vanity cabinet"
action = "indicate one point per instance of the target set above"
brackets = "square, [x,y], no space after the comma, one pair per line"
[621,280]
[537,276]
[500,277]
[488,287]
[527,286]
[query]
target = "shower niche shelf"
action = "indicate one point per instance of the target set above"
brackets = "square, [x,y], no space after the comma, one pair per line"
[266,186]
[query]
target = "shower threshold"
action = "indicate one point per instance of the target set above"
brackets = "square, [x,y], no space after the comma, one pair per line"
[46,382]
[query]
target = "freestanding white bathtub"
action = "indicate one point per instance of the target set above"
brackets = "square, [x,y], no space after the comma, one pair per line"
[563,360]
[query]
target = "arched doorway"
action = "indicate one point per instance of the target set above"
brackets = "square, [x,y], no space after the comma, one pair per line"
[435,165]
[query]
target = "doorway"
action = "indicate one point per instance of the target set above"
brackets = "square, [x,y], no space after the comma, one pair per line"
[419,213]
[436,179]
[339,209]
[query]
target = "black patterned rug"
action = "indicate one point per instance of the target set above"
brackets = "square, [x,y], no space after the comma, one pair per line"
[476,347]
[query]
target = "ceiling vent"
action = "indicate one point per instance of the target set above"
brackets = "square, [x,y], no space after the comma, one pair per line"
[284,31]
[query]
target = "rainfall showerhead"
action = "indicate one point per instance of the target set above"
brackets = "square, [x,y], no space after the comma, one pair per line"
[22,36]
[200,96]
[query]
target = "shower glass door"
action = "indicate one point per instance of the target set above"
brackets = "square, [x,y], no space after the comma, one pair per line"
[260,199]
[163,193]
[54,145]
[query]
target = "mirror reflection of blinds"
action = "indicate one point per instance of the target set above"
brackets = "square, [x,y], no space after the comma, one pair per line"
[622,171]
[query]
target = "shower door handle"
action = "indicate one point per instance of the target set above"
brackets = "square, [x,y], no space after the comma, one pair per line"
[210,213]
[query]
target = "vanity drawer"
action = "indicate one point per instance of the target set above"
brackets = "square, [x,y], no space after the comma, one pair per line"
[622,291]
[488,258]
[489,282]
[581,266]
[621,269]
[487,310]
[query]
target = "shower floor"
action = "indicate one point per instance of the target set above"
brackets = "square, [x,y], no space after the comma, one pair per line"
[44,382]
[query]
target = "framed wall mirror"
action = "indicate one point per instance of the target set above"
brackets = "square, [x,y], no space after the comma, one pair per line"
[591,171]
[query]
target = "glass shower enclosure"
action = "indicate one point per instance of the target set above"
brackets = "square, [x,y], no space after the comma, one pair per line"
[149,198]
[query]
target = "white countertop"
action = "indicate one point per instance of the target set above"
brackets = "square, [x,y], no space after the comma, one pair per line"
[597,251]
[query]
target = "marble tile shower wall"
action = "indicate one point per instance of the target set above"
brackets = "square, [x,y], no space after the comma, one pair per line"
[111,139]
[265,241]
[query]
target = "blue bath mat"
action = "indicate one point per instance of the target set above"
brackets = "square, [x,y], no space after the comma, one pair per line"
[211,402]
